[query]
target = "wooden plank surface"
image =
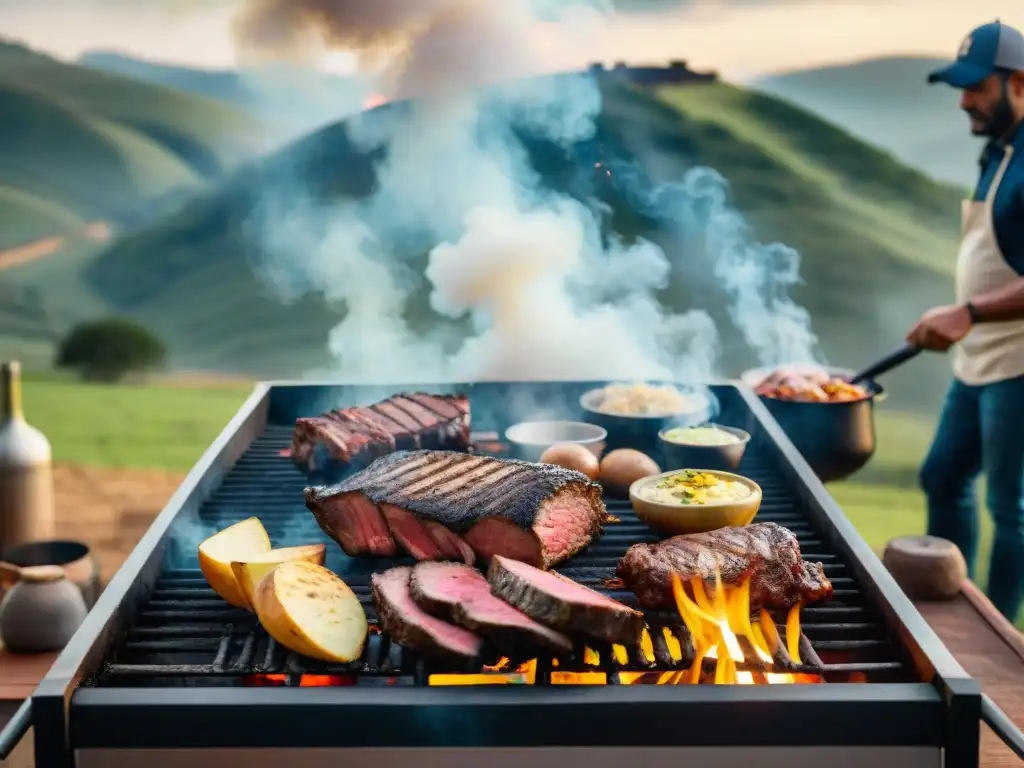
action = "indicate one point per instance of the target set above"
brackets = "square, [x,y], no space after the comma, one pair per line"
[21,673]
[992,652]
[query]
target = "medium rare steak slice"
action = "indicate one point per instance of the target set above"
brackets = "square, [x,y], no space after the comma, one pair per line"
[766,553]
[356,524]
[562,604]
[412,627]
[537,513]
[461,594]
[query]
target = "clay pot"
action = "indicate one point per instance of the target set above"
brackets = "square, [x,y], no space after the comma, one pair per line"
[41,612]
[73,556]
[926,567]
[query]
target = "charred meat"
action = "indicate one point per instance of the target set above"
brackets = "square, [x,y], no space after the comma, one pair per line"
[766,553]
[537,513]
[412,627]
[560,603]
[460,594]
[407,421]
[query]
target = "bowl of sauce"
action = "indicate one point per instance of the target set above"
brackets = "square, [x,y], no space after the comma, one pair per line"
[710,446]
[695,500]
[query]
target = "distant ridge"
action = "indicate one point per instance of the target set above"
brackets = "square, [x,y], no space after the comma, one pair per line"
[887,102]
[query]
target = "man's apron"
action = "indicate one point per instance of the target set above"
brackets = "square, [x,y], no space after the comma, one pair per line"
[991,352]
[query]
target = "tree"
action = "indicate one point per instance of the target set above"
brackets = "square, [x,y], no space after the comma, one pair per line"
[107,349]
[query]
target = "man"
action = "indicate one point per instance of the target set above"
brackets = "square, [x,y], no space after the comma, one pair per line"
[982,423]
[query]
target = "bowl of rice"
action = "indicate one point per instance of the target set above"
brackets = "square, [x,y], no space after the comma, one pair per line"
[633,413]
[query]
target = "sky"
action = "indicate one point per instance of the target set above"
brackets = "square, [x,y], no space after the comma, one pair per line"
[739,38]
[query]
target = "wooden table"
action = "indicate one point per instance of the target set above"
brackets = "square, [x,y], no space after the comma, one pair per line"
[988,647]
[19,676]
[992,652]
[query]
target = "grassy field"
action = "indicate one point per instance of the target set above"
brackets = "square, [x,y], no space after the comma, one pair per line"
[129,426]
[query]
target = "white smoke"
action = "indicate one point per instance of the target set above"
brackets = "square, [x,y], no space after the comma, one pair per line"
[522,281]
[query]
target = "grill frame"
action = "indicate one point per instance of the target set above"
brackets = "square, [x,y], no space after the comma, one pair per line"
[944,711]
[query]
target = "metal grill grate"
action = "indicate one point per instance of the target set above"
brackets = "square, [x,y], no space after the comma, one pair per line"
[186,635]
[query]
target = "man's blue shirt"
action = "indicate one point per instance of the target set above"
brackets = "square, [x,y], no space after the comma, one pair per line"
[1008,207]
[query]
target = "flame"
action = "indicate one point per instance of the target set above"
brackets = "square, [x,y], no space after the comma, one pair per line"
[718,620]
[375,100]
[304,681]
[498,674]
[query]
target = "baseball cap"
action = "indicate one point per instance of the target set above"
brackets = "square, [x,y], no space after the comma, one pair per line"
[989,47]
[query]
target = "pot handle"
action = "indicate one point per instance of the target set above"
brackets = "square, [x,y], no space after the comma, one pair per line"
[14,732]
[1000,724]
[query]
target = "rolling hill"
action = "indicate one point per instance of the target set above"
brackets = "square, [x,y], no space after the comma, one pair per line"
[299,100]
[877,238]
[888,103]
[79,145]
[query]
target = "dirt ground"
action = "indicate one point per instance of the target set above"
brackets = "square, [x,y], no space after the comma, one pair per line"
[110,509]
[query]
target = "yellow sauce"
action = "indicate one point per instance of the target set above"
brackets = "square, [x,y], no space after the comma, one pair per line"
[700,436]
[692,487]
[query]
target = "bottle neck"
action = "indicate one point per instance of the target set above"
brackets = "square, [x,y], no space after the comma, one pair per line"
[10,392]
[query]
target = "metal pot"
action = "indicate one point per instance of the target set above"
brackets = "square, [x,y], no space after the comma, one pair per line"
[836,439]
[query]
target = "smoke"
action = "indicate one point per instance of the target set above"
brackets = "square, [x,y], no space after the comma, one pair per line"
[522,282]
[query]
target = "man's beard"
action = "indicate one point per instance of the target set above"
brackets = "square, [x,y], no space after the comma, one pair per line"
[995,125]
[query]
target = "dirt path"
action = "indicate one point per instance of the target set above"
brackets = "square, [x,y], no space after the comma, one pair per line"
[97,231]
[110,509]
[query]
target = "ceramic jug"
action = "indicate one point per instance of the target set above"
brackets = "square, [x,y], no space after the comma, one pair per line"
[41,611]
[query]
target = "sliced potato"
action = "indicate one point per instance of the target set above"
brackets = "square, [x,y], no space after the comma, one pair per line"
[237,542]
[250,570]
[309,610]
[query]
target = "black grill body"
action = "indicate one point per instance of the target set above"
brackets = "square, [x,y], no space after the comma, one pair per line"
[163,662]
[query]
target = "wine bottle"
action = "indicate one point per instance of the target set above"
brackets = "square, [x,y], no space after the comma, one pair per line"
[26,472]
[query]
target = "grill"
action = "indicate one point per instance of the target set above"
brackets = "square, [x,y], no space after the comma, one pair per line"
[163,670]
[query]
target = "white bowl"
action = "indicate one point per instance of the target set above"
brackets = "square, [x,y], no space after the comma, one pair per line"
[529,439]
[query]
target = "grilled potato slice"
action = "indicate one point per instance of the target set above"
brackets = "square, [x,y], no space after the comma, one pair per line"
[308,609]
[250,570]
[237,542]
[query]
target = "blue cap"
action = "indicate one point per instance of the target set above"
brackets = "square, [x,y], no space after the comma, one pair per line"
[988,48]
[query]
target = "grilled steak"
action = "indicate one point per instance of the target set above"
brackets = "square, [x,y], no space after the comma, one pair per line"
[766,553]
[460,594]
[537,513]
[412,627]
[407,421]
[562,604]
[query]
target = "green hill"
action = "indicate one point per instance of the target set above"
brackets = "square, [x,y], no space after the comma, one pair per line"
[888,103]
[94,145]
[877,238]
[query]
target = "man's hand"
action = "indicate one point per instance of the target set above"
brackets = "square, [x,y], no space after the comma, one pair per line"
[940,328]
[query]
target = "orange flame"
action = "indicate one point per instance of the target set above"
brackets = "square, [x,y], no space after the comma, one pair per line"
[717,620]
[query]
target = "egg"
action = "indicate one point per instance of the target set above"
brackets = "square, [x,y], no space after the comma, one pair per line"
[571,456]
[624,466]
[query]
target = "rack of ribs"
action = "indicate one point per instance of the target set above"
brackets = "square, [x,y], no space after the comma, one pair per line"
[406,421]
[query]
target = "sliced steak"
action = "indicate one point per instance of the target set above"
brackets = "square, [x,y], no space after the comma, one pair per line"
[356,524]
[564,605]
[766,553]
[412,627]
[537,513]
[409,533]
[448,543]
[462,595]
